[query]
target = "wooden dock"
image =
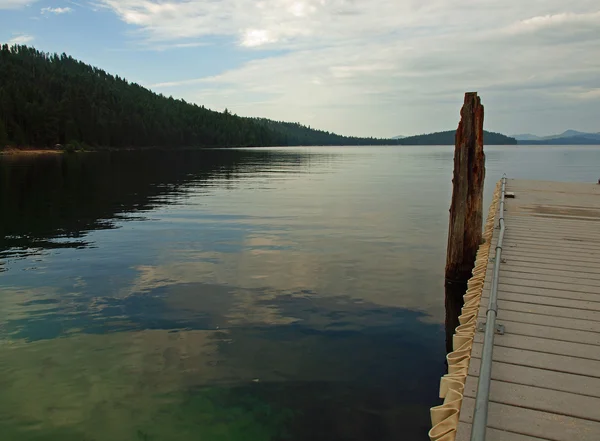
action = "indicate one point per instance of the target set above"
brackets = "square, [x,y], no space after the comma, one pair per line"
[546,366]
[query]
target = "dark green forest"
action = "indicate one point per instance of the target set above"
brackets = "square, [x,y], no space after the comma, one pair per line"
[50,99]
[447,138]
[302,135]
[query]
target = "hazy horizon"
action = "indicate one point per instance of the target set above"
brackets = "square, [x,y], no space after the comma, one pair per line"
[382,68]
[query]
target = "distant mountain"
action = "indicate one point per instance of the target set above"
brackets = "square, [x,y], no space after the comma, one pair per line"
[565,138]
[448,138]
[569,133]
[527,137]
[399,137]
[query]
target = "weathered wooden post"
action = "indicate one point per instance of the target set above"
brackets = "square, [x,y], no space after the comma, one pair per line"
[466,210]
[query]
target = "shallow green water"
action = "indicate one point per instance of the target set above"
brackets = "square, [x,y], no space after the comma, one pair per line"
[262,294]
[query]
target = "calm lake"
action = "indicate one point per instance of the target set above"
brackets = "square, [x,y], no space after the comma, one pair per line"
[232,295]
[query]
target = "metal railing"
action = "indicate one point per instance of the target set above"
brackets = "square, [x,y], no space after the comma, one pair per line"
[480,416]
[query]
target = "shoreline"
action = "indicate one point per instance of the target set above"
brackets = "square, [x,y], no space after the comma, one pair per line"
[26,151]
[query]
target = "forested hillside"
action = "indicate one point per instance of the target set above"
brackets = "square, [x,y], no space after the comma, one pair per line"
[298,134]
[447,138]
[53,99]
[49,99]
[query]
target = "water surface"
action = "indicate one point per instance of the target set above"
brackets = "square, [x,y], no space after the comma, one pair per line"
[260,294]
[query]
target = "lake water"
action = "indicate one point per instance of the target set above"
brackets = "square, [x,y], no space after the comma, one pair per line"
[251,295]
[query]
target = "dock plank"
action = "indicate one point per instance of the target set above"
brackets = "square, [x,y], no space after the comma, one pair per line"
[513,286]
[546,320]
[553,311]
[581,260]
[551,332]
[522,275]
[542,360]
[534,423]
[464,434]
[548,400]
[539,377]
[554,286]
[560,266]
[581,314]
[550,250]
[557,261]
[543,344]
[546,300]
[531,240]
[534,242]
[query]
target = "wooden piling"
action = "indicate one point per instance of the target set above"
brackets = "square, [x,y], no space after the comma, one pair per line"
[466,210]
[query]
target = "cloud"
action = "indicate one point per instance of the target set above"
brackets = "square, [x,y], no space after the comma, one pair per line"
[255,23]
[564,28]
[383,66]
[56,11]
[21,39]
[557,21]
[14,4]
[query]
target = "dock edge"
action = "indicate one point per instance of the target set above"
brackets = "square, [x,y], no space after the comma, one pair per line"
[444,418]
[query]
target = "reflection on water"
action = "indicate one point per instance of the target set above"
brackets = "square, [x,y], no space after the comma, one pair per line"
[230,295]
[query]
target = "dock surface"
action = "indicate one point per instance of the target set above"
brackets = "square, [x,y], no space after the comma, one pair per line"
[546,366]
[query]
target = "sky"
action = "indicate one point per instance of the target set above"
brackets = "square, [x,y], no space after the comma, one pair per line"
[356,67]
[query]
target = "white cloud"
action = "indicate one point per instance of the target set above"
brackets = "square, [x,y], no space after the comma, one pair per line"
[257,37]
[56,11]
[556,21]
[564,28]
[163,47]
[251,22]
[386,66]
[14,4]
[21,39]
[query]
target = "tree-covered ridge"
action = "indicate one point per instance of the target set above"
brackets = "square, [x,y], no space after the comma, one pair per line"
[448,138]
[298,134]
[49,99]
